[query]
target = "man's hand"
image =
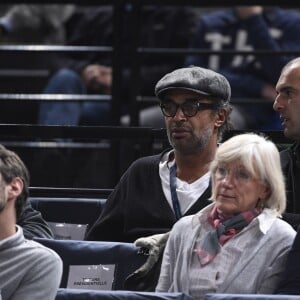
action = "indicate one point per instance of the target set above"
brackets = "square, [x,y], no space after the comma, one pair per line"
[98,78]
[155,244]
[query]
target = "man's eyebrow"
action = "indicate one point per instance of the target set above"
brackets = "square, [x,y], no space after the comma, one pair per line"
[167,99]
[286,89]
[194,99]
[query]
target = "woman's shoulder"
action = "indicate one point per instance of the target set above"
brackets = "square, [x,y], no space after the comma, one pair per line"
[283,229]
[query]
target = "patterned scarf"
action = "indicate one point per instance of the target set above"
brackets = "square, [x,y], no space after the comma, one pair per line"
[225,229]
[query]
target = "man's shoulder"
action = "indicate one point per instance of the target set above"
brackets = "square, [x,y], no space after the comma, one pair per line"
[142,166]
[284,156]
[284,17]
[287,153]
[149,160]
[40,250]
[219,19]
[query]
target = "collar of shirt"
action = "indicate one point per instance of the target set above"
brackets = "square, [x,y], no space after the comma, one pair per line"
[187,193]
[265,219]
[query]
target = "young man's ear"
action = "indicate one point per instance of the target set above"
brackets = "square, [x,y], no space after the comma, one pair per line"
[15,188]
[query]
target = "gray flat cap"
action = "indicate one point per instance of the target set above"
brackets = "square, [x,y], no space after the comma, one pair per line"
[200,80]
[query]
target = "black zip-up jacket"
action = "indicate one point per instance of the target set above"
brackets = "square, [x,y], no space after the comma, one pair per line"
[290,162]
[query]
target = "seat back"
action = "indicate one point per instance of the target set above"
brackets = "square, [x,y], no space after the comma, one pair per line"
[66,211]
[249,297]
[124,257]
[71,294]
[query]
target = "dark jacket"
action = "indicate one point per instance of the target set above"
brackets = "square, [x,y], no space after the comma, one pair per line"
[33,224]
[137,207]
[290,162]
[290,283]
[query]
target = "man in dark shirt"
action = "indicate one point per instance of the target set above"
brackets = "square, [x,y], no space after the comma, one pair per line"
[287,104]
[157,190]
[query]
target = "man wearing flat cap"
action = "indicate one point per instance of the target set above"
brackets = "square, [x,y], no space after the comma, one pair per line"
[157,190]
[195,104]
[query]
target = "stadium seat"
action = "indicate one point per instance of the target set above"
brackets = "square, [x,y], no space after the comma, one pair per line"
[122,258]
[249,297]
[71,294]
[63,213]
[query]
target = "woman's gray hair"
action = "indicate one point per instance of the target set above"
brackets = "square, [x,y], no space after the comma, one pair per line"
[261,158]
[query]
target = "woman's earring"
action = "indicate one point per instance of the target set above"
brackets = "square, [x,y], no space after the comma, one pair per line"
[260,203]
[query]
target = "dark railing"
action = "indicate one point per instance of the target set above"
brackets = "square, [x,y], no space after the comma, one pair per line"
[108,150]
[18,131]
[116,51]
[69,192]
[86,156]
[81,137]
[97,133]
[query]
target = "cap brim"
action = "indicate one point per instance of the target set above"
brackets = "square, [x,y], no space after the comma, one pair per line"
[163,91]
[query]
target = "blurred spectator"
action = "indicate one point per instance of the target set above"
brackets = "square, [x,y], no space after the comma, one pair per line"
[35,24]
[92,73]
[251,76]
[27,71]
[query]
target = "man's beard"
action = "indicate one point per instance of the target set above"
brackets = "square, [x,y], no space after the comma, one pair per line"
[194,144]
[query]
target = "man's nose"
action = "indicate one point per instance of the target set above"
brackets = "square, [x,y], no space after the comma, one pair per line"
[277,105]
[179,114]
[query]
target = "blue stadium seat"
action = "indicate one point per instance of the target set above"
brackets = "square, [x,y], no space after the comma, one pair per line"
[249,297]
[71,294]
[124,256]
[68,210]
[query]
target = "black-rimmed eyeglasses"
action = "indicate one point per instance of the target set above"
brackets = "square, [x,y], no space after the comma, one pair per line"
[189,108]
